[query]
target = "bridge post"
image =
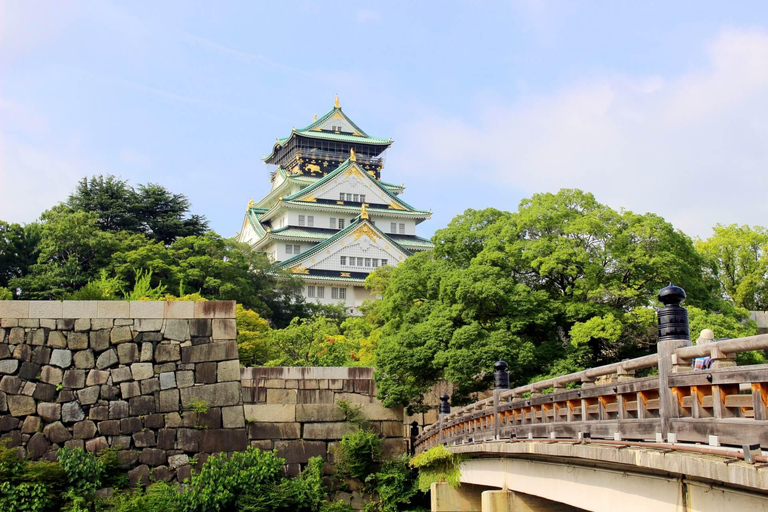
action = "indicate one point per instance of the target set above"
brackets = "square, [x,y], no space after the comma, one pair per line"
[500,384]
[444,409]
[673,334]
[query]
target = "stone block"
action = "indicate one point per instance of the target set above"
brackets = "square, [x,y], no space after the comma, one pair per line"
[139,476]
[273,413]
[84,430]
[228,371]
[176,329]
[353,398]
[44,392]
[84,359]
[48,323]
[299,452]
[9,322]
[51,375]
[127,353]
[232,417]
[173,420]
[121,334]
[121,374]
[167,380]
[98,324]
[166,438]
[28,371]
[97,377]
[327,431]
[215,395]
[141,371]
[61,358]
[31,425]
[141,405]
[188,439]
[147,309]
[78,340]
[125,457]
[74,379]
[11,384]
[74,444]
[166,352]
[88,396]
[37,446]
[66,395]
[377,412]
[107,359]
[14,308]
[16,336]
[71,412]
[185,379]
[281,396]
[216,351]
[79,309]
[44,309]
[214,309]
[99,339]
[176,461]
[129,389]
[9,366]
[152,457]
[179,309]
[168,400]
[19,405]
[22,353]
[109,428]
[147,352]
[38,337]
[113,309]
[148,325]
[96,445]
[261,430]
[28,389]
[200,327]
[154,421]
[223,440]
[309,413]
[165,367]
[314,396]
[82,324]
[130,425]
[99,413]
[149,386]
[205,373]
[144,439]
[392,447]
[65,324]
[224,329]
[392,429]
[209,419]
[8,423]
[118,409]
[109,392]
[3,402]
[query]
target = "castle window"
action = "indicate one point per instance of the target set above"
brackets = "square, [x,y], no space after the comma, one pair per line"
[341,196]
[402,229]
[333,222]
[311,291]
[356,198]
[342,293]
[301,220]
[320,292]
[343,261]
[375,262]
[367,262]
[341,223]
[288,249]
[393,227]
[359,262]
[383,262]
[334,292]
[362,198]
[311,221]
[349,197]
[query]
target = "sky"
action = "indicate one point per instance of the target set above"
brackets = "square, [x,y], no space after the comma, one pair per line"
[652,106]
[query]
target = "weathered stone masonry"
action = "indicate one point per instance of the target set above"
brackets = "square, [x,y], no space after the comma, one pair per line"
[98,374]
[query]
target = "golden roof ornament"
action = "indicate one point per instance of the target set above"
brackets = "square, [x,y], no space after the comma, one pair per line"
[251,204]
[315,119]
[336,102]
[364,212]
[352,157]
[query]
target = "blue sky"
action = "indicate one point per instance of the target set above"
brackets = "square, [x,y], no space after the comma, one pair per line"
[652,106]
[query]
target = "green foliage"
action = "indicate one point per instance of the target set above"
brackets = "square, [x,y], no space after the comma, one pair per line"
[394,486]
[338,506]
[143,289]
[553,285]
[199,406]
[18,250]
[5,294]
[737,256]
[358,454]
[353,413]
[83,472]
[104,288]
[437,464]
[252,337]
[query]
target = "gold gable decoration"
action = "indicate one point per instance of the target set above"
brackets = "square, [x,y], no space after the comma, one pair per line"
[394,206]
[251,204]
[336,102]
[366,230]
[352,157]
[364,212]
[300,270]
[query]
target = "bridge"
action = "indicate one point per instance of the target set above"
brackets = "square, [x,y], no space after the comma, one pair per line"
[651,433]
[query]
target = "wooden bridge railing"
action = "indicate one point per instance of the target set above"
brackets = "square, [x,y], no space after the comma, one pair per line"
[723,404]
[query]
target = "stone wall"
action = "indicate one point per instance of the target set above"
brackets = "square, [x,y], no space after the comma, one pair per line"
[98,374]
[295,411]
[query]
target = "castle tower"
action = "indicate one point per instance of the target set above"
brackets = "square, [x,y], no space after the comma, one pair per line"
[328,217]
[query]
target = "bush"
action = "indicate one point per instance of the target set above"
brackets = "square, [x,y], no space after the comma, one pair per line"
[393,486]
[358,454]
[437,464]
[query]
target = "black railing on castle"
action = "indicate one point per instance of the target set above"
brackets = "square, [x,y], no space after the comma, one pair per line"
[719,404]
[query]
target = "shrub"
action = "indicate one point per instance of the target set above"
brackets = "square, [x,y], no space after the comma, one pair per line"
[437,464]
[393,486]
[358,454]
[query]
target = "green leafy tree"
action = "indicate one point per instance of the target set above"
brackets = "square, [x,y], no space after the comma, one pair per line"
[563,283]
[18,250]
[737,256]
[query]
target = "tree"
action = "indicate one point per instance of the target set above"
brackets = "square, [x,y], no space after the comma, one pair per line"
[18,249]
[151,210]
[563,283]
[737,256]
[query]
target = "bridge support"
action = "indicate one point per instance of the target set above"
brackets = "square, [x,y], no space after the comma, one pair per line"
[444,498]
[508,501]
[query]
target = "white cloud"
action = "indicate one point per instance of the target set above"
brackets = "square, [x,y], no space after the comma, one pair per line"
[692,148]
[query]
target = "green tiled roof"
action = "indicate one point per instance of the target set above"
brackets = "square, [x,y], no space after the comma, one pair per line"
[341,234]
